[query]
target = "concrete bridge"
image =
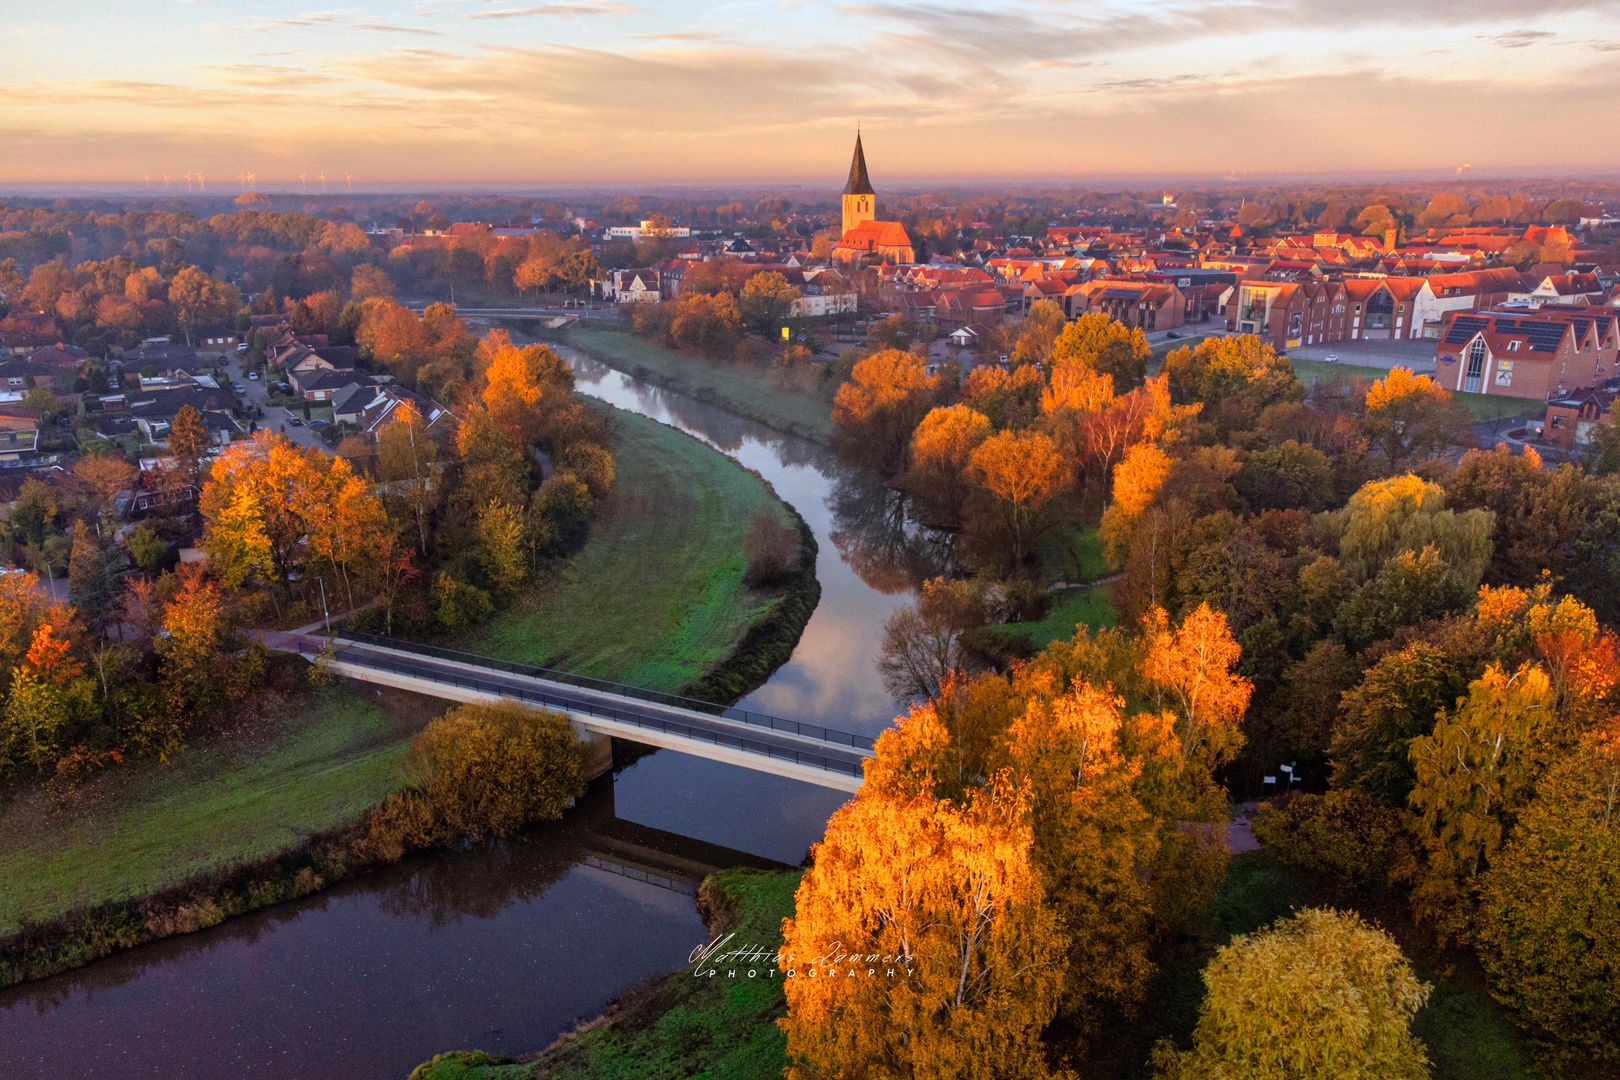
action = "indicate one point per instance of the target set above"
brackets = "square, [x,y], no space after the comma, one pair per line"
[599,710]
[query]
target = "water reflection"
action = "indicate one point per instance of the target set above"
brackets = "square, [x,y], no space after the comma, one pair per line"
[872,556]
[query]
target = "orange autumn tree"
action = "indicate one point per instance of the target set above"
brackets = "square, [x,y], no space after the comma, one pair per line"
[1023,472]
[941,448]
[940,900]
[1137,479]
[887,395]
[1192,670]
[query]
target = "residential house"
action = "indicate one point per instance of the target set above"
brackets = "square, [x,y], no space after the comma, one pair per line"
[1145,305]
[19,435]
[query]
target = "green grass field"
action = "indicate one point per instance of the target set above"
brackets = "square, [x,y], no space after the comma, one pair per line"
[1485,407]
[656,598]
[743,390]
[318,764]
[1093,606]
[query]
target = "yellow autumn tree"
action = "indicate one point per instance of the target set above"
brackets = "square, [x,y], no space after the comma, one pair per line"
[1092,839]
[1320,995]
[941,450]
[1192,670]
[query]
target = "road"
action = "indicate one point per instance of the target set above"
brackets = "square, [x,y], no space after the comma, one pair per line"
[275,416]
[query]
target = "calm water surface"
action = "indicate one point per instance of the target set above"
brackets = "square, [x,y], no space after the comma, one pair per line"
[503,946]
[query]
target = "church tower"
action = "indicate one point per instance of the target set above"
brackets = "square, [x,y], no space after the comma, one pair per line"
[860,201]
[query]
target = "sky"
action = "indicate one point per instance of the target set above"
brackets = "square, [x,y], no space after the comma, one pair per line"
[515,93]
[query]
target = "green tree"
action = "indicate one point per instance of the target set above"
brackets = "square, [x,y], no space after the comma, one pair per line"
[1407,513]
[1398,699]
[1411,416]
[1287,477]
[1549,927]
[1320,995]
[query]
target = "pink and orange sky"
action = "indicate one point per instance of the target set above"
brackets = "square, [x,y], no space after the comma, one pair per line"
[512,93]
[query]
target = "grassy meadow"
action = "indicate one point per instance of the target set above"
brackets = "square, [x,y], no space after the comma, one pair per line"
[746,391]
[317,763]
[656,598]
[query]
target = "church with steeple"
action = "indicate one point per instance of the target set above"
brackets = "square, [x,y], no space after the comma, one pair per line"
[864,238]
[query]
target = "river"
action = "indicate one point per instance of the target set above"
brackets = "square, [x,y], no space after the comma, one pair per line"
[502,946]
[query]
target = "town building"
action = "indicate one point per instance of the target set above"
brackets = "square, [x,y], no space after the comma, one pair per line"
[864,238]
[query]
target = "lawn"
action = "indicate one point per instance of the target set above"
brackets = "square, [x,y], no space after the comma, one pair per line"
[746,391]
[318,763]
[1093,606]
[1484,407]
[1071,553]
[656,598]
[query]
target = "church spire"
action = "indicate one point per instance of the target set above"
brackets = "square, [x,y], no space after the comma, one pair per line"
[858,182]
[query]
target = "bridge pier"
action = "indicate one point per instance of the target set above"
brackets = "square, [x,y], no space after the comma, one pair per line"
[598,751]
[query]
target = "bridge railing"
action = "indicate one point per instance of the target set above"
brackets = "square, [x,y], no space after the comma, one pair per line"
[728,712]
[578,705]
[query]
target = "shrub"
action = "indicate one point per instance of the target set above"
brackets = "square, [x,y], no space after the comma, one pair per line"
[457,604]
[488,770]
[771,548]
[1343,833]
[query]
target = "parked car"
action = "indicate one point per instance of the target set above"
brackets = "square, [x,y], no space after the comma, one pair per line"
[1331,358]
[1171,334]
[238,387]
[253,375]
[294,421]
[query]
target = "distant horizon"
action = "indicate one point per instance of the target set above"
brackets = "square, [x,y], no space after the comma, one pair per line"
[897,186]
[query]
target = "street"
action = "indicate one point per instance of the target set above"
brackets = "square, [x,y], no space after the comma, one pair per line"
[256,392]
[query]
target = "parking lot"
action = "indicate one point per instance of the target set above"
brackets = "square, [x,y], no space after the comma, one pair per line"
[1416,356]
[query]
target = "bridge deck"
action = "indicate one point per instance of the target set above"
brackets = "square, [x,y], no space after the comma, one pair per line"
[805,752]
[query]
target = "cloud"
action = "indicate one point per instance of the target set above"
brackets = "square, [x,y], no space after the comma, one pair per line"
[392,28]
[567,9]
[1517,39]
[1044,65]
[681,35]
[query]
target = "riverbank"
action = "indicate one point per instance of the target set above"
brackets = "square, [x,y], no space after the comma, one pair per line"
[275,809]
[743,391]
[680,1024]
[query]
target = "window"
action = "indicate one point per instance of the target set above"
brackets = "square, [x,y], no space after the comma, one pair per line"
[1513,346]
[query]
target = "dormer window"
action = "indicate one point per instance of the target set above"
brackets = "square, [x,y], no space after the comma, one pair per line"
[1513,346]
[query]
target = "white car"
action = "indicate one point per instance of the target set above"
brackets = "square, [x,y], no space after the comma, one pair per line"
[1331,358]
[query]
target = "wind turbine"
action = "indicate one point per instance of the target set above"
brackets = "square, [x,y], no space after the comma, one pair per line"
[241,180]
[348,178]
[188,181]
[165,181]
[253,182]
[301,181]
[323,180]
[148,179]
[200,183]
